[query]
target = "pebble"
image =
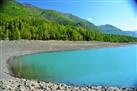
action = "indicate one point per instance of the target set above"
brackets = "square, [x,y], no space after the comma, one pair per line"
[31,85]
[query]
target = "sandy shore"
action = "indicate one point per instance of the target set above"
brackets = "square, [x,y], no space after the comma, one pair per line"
[9,49]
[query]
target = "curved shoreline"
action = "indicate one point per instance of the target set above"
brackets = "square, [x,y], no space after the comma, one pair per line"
[26,47]
[39,52]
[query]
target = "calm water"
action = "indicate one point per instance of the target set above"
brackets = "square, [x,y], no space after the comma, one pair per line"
[105,66]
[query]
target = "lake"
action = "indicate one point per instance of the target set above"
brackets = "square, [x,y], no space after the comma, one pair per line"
[103,66]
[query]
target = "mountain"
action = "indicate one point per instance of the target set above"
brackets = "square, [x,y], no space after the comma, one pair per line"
[15,8]
[109,29]
[25,21]
[132,33]
[68,19]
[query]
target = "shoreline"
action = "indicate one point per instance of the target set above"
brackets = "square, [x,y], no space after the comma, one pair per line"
[39,52]
[27,47]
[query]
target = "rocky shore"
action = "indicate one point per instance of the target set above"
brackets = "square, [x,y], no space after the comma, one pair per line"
[33,85]
[8,49]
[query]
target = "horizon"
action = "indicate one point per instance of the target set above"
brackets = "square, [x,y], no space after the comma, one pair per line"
[122,16]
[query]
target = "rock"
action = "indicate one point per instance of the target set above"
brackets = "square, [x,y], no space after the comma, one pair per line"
[113,89]
[1,83]
[32,85]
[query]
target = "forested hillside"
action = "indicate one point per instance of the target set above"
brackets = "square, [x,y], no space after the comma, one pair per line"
[21,21]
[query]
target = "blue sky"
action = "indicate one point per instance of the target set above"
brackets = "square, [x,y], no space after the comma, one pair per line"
[119,13]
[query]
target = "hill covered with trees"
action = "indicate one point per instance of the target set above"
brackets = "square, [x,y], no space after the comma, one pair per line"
[23,21]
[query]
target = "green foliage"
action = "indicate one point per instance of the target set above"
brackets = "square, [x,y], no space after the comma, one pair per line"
[13,8]
[16,35]
[30,27]
[2,34]
[18,21]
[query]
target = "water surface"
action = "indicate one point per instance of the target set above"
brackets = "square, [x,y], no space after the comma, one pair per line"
[104,66]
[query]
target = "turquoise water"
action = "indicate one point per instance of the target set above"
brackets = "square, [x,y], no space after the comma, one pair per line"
[104,66]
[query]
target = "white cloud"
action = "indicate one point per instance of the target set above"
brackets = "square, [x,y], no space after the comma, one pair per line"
[89,19]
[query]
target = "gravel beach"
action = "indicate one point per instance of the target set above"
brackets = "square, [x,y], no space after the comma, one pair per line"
[8,49]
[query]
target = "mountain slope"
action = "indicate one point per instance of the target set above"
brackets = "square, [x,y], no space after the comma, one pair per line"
[68,19]
[25,21]
[14,8]
[132,33]
[109,29]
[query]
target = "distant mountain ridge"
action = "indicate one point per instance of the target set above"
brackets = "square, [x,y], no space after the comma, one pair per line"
[110,29]
[132,33]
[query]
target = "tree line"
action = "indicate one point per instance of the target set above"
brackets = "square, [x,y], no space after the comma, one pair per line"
[35,28]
